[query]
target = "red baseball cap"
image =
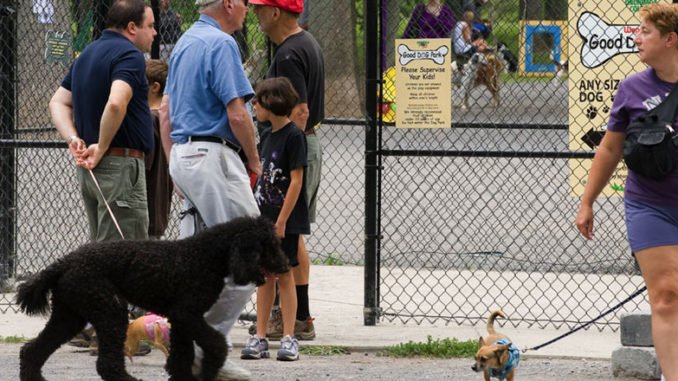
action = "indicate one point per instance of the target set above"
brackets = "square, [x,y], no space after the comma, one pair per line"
[295,6]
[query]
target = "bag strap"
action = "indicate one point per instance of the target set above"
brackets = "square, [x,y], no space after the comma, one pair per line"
[667,110]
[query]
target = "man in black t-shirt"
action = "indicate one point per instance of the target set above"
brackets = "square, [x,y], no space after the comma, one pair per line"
[298,57]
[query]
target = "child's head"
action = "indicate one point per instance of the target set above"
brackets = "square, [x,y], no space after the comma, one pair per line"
[156,73]
[276,95]
[469,16]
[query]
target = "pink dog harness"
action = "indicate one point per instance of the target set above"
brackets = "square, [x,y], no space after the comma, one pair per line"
[150,321]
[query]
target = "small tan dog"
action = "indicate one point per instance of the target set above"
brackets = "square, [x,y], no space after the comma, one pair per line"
[150,327]
[497,357]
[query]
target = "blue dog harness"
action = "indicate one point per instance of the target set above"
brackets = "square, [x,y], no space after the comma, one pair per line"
[514,359]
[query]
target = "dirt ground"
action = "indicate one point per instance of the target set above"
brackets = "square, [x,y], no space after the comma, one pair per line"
[70,363]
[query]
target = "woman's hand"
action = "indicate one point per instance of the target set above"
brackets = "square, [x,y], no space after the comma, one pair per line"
[584,221]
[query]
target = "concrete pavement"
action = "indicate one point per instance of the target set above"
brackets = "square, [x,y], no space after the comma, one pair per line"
[336,296]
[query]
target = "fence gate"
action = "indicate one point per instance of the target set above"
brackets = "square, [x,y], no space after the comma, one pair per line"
[478,216]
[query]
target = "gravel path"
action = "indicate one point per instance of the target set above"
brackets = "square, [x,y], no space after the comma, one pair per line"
[69,363]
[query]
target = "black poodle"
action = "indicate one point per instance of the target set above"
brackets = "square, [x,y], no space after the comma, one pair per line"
[178,279]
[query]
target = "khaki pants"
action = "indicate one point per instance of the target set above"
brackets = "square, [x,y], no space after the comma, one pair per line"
[123,183]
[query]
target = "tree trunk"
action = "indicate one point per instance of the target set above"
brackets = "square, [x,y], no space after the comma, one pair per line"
[555,10]
[332,22]
[38,79]
[531,10]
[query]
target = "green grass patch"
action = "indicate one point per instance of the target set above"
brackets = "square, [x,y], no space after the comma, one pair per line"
[329,261]
[323,350]
[445,348]
[13,339]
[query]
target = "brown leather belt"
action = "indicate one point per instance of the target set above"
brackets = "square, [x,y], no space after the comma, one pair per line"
[125,152]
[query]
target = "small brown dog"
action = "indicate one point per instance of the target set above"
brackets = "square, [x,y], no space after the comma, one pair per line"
[497,357]
[481,69]
[150,327]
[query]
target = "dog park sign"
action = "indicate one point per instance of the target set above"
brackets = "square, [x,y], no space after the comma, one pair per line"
[423,83]
[602,53]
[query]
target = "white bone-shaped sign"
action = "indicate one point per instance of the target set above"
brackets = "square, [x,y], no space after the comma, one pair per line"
[602,41]
[407,55]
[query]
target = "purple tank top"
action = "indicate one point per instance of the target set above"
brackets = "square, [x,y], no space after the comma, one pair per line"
[636,95]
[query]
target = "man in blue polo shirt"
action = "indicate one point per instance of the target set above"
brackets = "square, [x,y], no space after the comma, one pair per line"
[205,126]
[101,110]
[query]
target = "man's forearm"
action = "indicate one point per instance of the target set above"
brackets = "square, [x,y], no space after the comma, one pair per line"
[114,113]
[62,117]
[300,115]
[61,111]
[244,132]
[110,123]
[165,126]
[243,128]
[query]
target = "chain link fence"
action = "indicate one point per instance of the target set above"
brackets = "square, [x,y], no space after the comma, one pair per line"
[42,216]
[470,218]
[481,215]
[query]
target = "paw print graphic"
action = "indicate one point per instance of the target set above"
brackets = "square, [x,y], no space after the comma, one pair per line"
[606,109]
[591,112]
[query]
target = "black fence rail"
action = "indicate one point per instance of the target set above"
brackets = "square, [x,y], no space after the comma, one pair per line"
[448,223]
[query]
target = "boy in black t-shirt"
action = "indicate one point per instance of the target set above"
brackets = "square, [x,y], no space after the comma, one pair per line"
[280,194]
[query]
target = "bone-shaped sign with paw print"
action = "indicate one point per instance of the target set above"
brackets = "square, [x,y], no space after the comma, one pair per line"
[407,55]
[602,41]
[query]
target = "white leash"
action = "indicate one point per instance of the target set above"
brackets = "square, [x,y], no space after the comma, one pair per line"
[106,203]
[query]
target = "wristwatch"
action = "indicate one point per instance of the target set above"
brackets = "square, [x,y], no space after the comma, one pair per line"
[72,138]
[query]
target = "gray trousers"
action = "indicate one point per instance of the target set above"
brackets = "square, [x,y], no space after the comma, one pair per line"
[215,182]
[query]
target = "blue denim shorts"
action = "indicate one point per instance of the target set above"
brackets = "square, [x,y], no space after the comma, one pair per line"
[650,225]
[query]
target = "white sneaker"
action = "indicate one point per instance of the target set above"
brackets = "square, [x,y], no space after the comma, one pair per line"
[228,372]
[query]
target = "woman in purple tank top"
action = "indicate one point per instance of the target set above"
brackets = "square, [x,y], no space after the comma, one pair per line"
[431,20]
[651,206]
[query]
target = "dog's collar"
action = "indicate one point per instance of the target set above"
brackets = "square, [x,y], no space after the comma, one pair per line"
[514,359]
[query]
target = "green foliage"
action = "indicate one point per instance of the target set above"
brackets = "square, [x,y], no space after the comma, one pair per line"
[330,260]
[13,339]
[445,348]
[323,350]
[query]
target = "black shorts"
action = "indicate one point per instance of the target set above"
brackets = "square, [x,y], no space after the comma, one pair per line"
[290,246]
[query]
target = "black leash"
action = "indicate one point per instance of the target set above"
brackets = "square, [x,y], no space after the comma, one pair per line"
[638,292]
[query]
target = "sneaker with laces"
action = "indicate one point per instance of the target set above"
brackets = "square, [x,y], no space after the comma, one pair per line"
[304,330]
[289,349]
[228,372]
[274,328]
[255,349]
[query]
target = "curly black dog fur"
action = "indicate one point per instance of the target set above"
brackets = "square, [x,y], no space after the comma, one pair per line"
[178,279]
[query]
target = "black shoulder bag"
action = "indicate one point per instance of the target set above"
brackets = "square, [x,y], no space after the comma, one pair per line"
[650,144]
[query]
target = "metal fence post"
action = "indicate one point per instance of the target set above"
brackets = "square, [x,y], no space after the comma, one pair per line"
[8,16]
[371,307]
